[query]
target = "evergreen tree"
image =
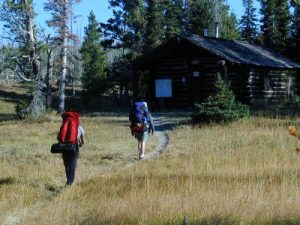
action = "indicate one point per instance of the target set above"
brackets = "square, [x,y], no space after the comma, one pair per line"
[268,29]
[275,23]
[94,69]
[296,31]
[248,22]
[185,16]
[220,107]
[228,24]
[127,27]
[283,23]
[154,30]
[199,16]
[210,14]
[173,17]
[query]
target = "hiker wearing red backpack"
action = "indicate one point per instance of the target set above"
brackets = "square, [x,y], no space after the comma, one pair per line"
[141,124]
[72,133]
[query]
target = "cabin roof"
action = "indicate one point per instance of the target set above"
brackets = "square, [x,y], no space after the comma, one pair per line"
[241,52]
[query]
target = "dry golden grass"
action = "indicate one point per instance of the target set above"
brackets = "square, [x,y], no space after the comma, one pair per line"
[31,177]
[243,173]
[8,96]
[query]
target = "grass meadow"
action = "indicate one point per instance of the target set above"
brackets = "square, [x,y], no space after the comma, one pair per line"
[246,172]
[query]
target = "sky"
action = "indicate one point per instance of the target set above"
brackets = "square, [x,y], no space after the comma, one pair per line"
[102,12]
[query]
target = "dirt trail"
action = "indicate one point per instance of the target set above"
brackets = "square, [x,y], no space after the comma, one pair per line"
[160,132]
[162,122]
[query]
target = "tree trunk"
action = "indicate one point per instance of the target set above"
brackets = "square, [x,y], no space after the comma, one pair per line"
[31,41]
[49,78]
[62,84]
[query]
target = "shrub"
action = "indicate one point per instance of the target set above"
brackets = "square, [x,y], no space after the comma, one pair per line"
[34,103]
[220,107]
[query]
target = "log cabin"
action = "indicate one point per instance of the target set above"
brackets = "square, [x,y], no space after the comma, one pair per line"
[183,71]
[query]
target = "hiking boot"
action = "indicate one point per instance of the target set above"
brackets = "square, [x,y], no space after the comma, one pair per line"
[141,156]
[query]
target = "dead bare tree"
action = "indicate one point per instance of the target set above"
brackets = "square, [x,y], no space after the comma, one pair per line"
[61,11]
[18,17]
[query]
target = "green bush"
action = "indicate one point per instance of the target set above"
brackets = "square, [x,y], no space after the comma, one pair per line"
[33,105]
[19,108]
[220,107]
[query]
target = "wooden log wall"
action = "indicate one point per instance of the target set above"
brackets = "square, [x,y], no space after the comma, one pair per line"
[208,77]
[270,86]
[177,70]
[193,80]
[197,88]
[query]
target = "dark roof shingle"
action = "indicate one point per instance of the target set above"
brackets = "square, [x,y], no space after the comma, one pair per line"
[242,52]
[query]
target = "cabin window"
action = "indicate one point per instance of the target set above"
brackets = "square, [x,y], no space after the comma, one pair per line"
[163,88]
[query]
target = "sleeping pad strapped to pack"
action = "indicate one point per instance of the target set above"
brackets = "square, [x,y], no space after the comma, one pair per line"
[69,128]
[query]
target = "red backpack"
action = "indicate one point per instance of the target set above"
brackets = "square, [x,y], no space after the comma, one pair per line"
[69,128]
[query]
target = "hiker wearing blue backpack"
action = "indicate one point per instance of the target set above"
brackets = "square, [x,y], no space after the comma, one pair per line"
[141,124]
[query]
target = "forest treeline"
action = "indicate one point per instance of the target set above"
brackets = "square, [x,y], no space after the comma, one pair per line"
[103,60]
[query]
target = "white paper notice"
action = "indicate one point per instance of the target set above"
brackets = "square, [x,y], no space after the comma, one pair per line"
[163,88]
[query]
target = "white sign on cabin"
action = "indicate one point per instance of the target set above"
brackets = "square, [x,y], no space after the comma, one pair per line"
[163,88]
[196,74]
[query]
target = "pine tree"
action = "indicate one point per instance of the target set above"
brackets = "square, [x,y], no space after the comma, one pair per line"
[283,23]
[127,27]
[296,31]
[200,16]
[154,30]
[268,29]
[173,17]
[275,23]
[220,107]
[94,69]
[208,14]
[228,24]
[248,22]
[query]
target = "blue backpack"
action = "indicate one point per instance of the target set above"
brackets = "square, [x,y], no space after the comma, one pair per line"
[138,117]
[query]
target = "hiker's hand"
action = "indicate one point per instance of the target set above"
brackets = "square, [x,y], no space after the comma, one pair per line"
[81,142]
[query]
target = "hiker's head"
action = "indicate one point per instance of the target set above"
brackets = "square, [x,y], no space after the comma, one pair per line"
[140,99]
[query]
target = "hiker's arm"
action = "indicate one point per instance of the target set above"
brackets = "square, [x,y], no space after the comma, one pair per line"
[81,141]
[81,138]
[151,124]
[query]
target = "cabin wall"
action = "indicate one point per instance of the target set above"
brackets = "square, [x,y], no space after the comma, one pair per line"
[193,73]
[270,87]
[175,69]
[193,79]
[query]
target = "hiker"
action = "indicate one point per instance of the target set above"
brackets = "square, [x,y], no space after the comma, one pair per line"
[141,124]
[71,132]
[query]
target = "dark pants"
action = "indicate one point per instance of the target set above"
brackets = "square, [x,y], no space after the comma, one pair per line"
[70,163]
